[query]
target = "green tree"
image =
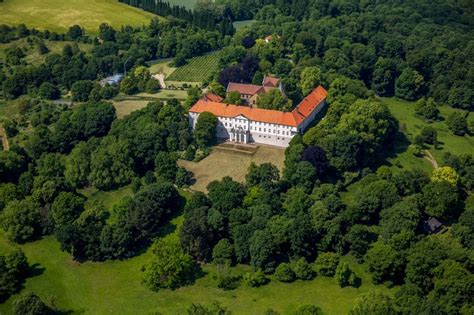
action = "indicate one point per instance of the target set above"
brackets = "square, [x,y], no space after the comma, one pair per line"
[383,78]
[326,264]
[302,269]
[441,200]
[284,273]
[409,85]
[457,123]
[49,91]
[170,267]
[165,166]
[345,276]
[223,252]
[233,97]
[427,109]
[262,251]
[111,164]
[255,279]
[22,220]
[445,173]
[81,90]
[274,99]
[374,303]
[309,310]
[205,131]
[385,263]
[310,78]
[66,208]
[8,192]
[30,304]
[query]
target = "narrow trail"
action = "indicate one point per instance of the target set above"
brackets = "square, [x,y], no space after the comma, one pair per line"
[428,156]
[3,136]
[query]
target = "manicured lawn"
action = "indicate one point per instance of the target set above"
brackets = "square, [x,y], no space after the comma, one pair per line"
[222,163]
[59,15]
[412,125]
[161,66]
[197,69]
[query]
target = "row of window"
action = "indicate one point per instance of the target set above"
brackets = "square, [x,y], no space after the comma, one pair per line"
[258,123]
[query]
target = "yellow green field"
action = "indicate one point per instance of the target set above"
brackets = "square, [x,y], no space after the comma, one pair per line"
[59,15]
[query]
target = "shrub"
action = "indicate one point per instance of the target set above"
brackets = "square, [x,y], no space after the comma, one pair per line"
[284,273]
[30,304]
[457,123]
[302,269]
[223,252]
[326,264]
[309,310]
[345,276]
[255,279]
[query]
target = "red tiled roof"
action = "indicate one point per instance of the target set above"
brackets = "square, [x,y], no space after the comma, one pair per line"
[213,97]
[242,88]
[270,81]
[294,118]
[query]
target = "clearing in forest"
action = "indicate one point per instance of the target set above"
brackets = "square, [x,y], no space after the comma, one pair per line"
[224,162]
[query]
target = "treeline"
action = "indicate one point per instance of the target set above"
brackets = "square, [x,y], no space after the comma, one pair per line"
[407,49]
[206,19]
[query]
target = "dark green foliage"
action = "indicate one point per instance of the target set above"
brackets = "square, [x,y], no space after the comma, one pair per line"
[309,310]
[262,251]
[166,167]
[427,109]
[215,308]
[403,216]
[8,192]
[409,85]
[266,175]
[326,264]
[81,90]
[223,252]
[441,200]
[302,269]
[169,268]
[457,123]
[13,271]
[358,239]
[345,276]
[205,129]
[49,91]
[284,273]
[385,263]
[428,135]
[30,304]
[22,220]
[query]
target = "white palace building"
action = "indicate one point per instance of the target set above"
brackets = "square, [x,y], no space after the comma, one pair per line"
[245,124]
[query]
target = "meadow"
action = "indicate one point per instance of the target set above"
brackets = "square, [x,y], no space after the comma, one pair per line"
[114,287]
[411,125]
[221,163]
[59,15]
[198,69]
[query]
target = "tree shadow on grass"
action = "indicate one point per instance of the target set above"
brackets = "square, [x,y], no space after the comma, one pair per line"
[399,144]
[35,270]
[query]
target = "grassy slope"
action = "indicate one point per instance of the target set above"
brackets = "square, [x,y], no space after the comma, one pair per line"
[405,114]
[58,15]
[187,3]
[114,287]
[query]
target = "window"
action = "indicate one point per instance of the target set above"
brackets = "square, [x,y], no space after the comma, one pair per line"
[259,129]
[264,129]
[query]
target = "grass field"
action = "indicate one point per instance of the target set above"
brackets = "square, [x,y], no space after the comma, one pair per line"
[412,125]
[32,55]
[197,69]
[161,66]
[59,15]
[222,163]
[241,24]
[190,4]
[114,287]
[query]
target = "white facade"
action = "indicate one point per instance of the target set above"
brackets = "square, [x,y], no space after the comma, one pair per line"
[242,130]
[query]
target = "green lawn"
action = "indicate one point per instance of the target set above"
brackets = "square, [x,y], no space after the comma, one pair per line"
[241,24]
[114,287]
[197,69]
[411,125]
[59,15]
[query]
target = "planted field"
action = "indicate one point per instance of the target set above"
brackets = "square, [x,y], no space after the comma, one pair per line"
[197,69]
[59,15]
[411,126]
[221,163]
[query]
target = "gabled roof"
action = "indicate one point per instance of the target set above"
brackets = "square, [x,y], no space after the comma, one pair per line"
[293,118]
[270,81]
[242,88]
[213,97]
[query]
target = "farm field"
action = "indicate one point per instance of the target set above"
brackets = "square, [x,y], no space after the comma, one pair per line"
[114,287]
[59,15]
[222,163]
[404,112]
[197,69]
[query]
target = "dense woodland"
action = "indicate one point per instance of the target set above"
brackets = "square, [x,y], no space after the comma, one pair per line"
[294,224]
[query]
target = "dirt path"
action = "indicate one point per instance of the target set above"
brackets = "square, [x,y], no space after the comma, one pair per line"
[3,136]
[161,78]
[428,156]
